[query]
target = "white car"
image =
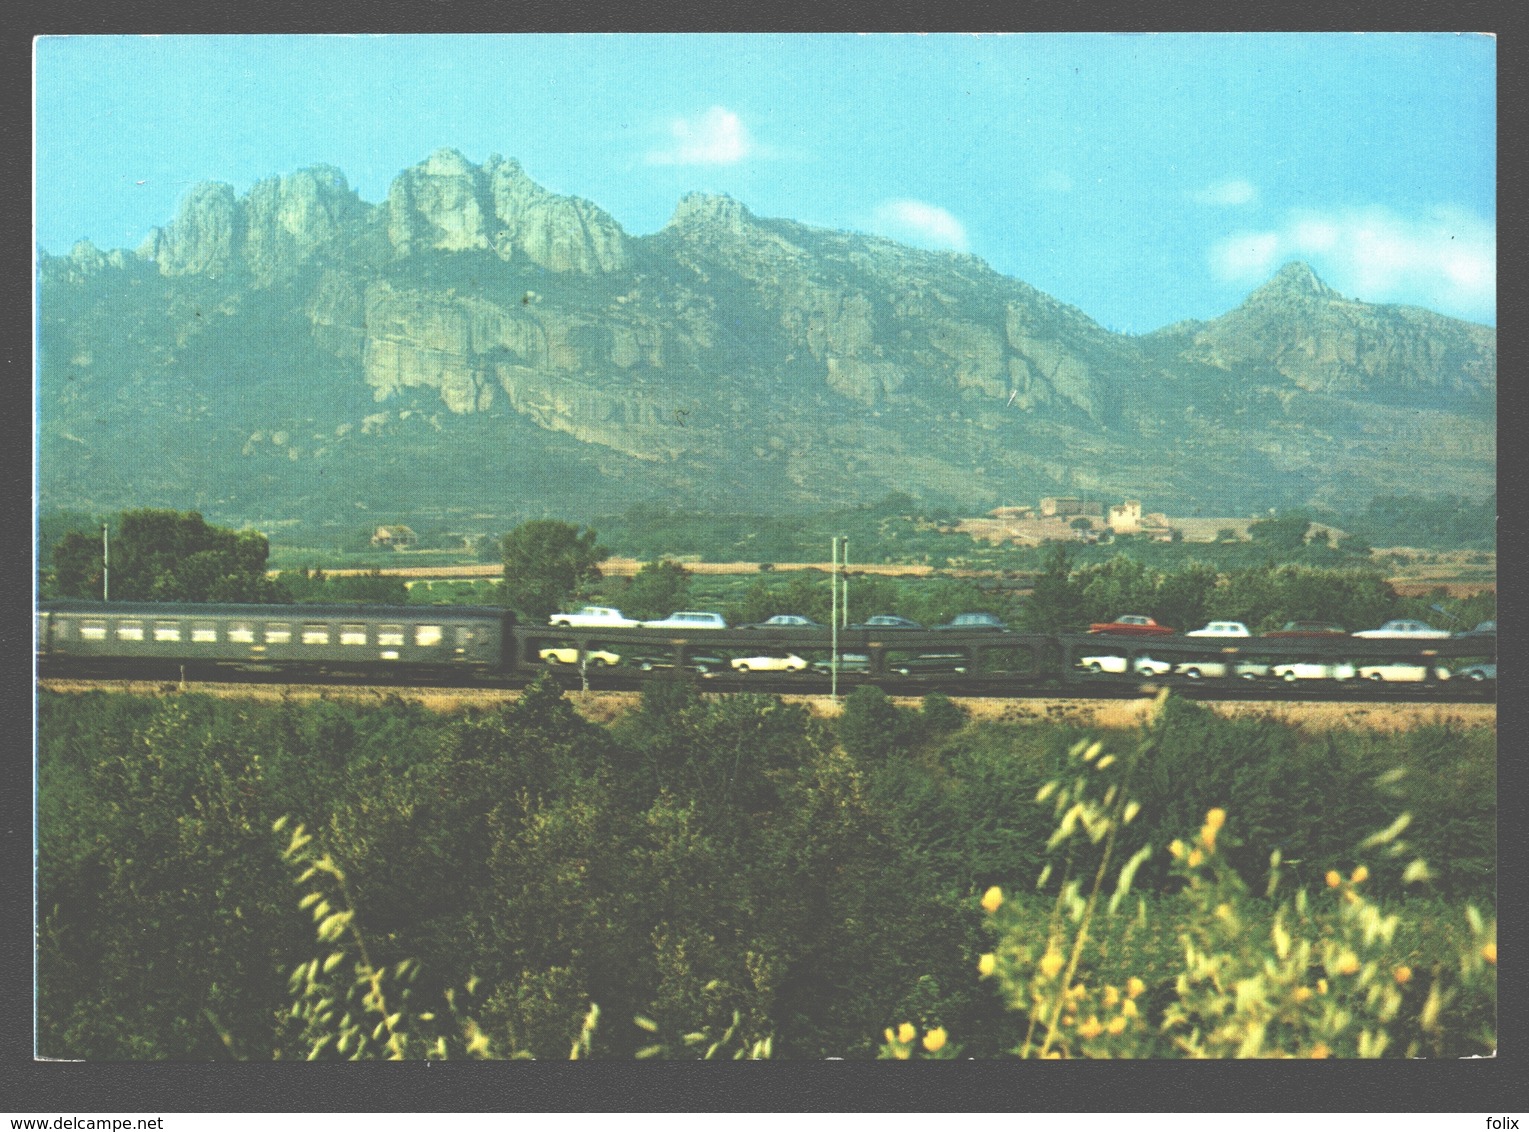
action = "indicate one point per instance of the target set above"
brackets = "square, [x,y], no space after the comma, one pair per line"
[597,616]
[687,619]
[1217,670]
[788,663]
[1399,671]
[596,658]
[1310,670]
[1144,666]
[1222,629]
[1416,629]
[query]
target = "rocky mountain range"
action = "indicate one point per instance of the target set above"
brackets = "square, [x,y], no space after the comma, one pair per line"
[478,346]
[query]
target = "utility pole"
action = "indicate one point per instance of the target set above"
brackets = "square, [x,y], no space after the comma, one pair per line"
[833,623]
[844,572]
[105,563]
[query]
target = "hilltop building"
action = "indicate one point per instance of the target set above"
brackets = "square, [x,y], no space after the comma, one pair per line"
[397,536]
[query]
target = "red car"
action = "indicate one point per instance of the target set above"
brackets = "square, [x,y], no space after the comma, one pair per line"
[1132,625]
[1309,629]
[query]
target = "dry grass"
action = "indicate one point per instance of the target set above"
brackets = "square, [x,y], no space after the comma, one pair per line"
[603,707]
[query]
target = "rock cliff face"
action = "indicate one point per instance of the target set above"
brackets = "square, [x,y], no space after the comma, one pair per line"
[447,204]
[1309,333]
[476,335]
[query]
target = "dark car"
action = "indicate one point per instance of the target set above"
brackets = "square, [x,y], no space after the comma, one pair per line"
[887,621]
[705,665]
[975,621]
[785,621]
[1309,629]
[1484,629]
[930,662]
[848,662]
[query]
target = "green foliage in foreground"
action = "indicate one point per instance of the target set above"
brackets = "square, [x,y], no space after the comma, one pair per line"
[739,876]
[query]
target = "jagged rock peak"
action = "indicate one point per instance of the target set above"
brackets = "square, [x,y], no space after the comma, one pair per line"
[1295,279]
[711,208]
[446,203]
[204,236]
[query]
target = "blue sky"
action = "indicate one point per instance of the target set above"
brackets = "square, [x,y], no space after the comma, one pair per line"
[1142,178]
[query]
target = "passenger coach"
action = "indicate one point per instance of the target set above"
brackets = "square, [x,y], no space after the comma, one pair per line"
[273,637]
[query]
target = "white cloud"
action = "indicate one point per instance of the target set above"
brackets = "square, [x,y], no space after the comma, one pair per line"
[1055,181]
[920,224]
[1226,193]
[1247,255]
[717,137]
[1446,259]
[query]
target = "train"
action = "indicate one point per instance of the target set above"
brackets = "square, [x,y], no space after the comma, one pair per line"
[472,644]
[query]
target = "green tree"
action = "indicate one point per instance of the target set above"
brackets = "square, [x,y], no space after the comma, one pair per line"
[1284,533]
[167,556]
[1056,603]
[658,590]
[546,562]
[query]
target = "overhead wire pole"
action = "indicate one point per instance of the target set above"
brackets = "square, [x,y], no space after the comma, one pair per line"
[833,622]
[105,563]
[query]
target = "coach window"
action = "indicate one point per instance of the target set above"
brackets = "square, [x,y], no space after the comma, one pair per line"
[167,630]
[204,632]
[277,633]
[129,630]
[92,630]
[315,634]
[241,632]
[353,634]
[427,635]
[464,635]
[390,634]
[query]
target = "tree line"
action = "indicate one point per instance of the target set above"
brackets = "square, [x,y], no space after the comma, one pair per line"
[548,564]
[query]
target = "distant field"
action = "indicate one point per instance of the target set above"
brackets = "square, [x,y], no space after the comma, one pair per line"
[1459,573]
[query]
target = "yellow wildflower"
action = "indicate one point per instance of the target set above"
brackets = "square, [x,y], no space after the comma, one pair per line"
[1077,990]
[891,1037]
[1321,986]
[1052,1055]
[1091,1028]
[1208,838]
[1215,818]
[1134,986]
[1051,963]
[1117,1024]
[1223,911]
[901,1052]
[1111,996]
[1301,994]
[1489,953]
[1128,1008]
[1351,896]
[987,964]
[934,1040]
[1320,1050]
[1195,857]
[1360,875]
[1333,879]
[1348,963]
[1176,848]
[1402,974]
[906,1033]
[992,898]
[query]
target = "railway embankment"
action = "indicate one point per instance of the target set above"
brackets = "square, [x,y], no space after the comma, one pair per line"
[605,706]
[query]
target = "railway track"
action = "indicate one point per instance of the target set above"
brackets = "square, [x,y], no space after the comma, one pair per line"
[174,678]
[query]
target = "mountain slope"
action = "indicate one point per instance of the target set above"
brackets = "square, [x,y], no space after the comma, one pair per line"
[477,345]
